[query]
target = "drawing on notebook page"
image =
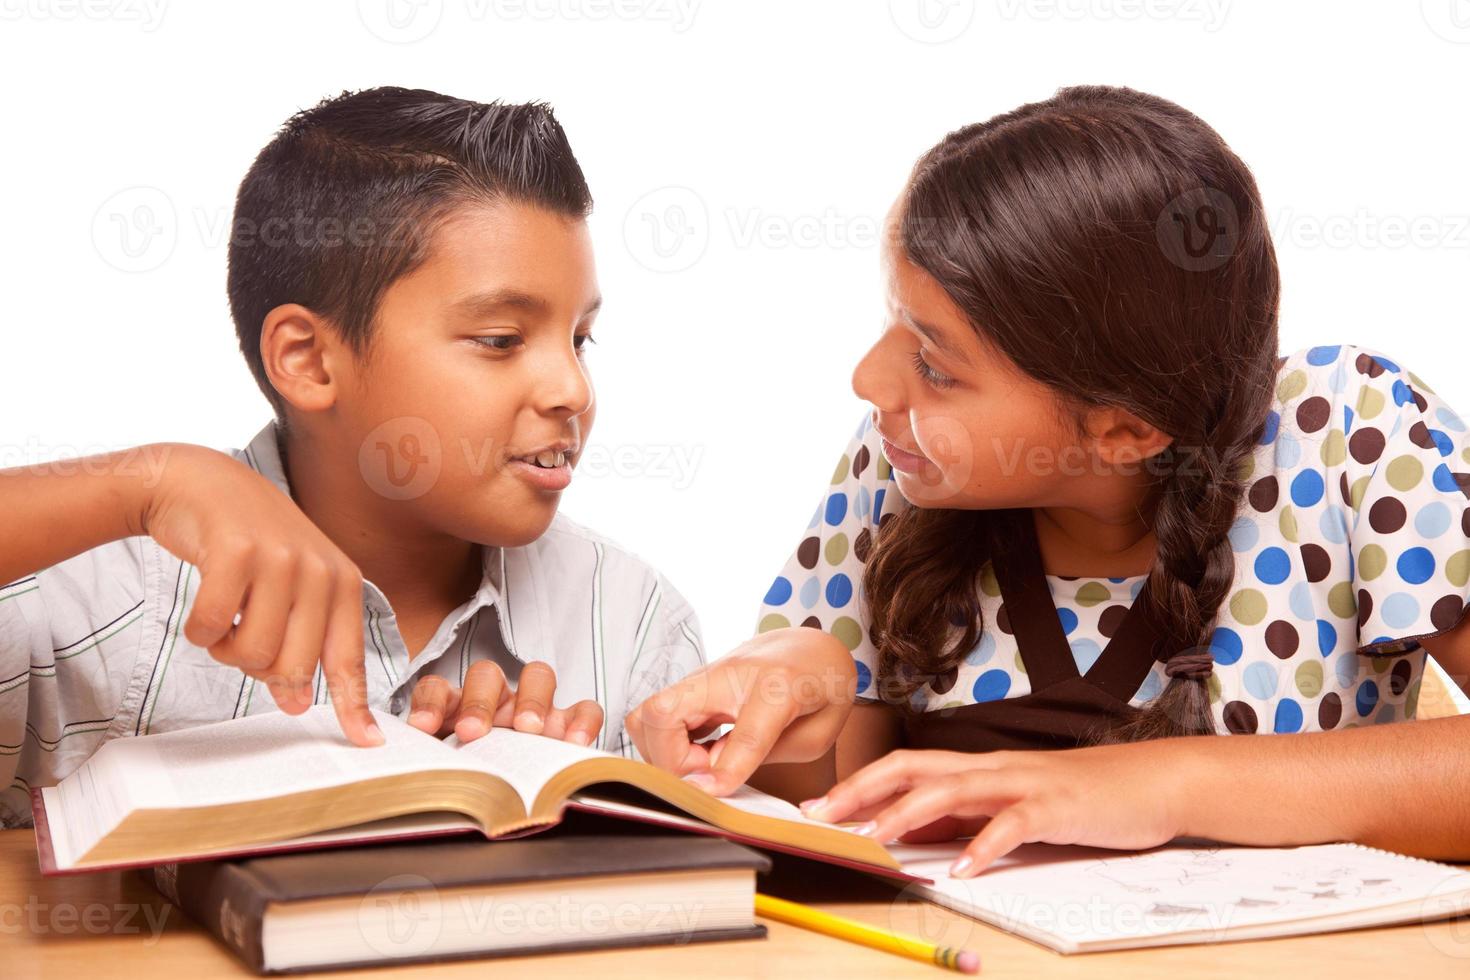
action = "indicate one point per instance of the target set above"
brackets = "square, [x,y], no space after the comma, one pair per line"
[1188,882]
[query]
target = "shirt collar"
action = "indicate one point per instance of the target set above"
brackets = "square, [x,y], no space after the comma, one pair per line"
[263,454]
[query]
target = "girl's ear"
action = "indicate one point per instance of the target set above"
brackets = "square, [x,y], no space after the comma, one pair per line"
[1121,438]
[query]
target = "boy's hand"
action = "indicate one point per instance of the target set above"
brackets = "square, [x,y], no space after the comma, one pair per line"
[486,699]
[298,596]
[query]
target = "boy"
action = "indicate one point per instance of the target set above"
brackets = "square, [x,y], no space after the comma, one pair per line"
[412,283]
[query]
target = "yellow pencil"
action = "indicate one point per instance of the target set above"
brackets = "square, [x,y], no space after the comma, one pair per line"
[960,960]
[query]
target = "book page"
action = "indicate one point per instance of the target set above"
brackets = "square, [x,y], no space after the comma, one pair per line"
[745,798]
[258,757]
[1081,895]
[525,761]
[752,800]
[528,762]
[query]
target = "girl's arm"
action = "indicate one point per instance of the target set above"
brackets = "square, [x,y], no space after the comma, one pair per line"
[871,731]
[789,693]
[1403,786]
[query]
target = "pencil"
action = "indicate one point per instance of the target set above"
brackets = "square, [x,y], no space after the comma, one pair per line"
[959,960]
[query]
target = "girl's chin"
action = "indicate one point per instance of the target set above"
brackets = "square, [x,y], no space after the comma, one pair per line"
[927,488]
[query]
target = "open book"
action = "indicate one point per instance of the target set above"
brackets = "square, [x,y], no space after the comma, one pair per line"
[278,782]
[273,782]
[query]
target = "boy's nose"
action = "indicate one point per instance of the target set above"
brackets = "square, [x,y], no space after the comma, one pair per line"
[566,387]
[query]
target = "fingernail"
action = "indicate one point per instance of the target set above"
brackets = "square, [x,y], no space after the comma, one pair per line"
[810,806]
[703,780]
[581,738]
[467,728]
[420,718]
[374,733]
[529,721]
[867,829]
[961,867]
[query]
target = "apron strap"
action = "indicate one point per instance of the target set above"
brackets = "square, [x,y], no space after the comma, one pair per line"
[1029,607]
[1124,662]
[1138,644]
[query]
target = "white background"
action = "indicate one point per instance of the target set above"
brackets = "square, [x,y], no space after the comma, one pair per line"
[773,134]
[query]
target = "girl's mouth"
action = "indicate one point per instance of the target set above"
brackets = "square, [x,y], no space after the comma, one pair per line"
[901,459]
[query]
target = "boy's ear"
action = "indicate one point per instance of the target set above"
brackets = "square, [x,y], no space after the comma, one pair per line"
[1122,438]
[299,351]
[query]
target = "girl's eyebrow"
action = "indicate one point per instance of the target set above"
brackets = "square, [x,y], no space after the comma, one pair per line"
[935,337]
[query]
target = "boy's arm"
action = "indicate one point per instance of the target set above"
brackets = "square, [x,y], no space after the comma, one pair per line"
[52,511]
[49,513]
[69,642]
[297,597]
[672,650]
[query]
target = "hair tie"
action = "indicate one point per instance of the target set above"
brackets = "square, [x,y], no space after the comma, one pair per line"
[1194,665]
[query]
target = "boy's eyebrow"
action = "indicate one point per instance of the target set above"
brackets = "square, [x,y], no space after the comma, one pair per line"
[935,337]
[500,300]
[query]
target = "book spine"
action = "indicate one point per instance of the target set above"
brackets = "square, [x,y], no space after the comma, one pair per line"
[222,898]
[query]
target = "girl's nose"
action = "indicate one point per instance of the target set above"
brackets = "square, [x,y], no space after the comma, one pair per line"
[876,380]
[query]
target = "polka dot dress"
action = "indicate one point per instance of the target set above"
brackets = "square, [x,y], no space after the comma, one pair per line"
[1352,542]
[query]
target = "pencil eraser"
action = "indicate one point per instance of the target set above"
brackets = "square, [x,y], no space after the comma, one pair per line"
[968,962]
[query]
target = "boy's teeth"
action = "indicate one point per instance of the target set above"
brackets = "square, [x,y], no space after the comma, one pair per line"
[550,459]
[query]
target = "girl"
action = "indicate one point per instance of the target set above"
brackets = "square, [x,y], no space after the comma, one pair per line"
[1093,510]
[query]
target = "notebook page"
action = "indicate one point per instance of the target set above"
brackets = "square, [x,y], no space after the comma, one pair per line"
[1083,895]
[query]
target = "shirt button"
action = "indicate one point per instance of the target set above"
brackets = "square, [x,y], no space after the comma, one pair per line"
[397,703]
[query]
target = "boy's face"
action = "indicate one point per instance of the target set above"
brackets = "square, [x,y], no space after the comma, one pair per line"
[475,367]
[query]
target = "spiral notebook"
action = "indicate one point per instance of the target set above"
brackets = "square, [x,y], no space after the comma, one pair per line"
[1081,900]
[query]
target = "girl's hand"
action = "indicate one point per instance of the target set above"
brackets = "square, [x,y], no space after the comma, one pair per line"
[486,699]
[1124,796]
[788,692]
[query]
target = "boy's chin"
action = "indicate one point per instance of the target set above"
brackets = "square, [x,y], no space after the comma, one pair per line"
[528,526]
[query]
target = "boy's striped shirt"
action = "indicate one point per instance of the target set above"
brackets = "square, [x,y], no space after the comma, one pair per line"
[93,647]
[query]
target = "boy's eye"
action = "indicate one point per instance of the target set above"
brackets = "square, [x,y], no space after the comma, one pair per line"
[582,340]
[928,373]
[502,342]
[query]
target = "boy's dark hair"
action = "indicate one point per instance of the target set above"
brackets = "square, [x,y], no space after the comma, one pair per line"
[345,200]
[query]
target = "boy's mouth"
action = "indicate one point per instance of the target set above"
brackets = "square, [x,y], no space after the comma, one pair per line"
[547,468]
[546,460]
[549,456]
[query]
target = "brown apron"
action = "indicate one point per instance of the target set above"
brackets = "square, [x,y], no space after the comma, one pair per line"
[1064,708]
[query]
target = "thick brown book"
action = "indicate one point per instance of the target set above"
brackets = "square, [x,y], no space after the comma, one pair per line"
[454,899]
[275,782]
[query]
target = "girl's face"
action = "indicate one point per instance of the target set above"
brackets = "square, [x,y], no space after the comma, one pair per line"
[965,428]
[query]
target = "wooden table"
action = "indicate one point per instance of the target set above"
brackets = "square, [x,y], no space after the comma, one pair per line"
[115,925]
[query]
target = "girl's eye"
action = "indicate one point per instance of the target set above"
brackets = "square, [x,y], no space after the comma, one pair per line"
[582,340]
[930,375]
[500,342]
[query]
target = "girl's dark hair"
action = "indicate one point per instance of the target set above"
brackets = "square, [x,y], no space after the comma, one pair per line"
[346,197]
[1113,247]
